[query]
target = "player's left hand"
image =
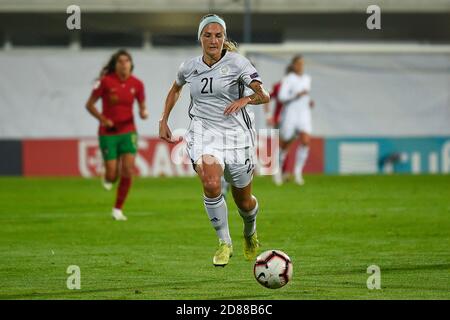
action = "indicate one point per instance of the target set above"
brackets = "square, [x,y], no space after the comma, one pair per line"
[143,113]
[236,106]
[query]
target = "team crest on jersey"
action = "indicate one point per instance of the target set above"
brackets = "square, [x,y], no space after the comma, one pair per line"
[224,70]
[133,91]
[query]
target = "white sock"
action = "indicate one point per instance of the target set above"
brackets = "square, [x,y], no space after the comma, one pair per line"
[218,215]
[249,219]
[282,156]
[300,159]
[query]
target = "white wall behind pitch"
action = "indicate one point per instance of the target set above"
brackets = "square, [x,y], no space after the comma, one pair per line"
[43,92]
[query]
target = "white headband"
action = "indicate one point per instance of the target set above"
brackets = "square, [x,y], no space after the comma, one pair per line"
[208,20]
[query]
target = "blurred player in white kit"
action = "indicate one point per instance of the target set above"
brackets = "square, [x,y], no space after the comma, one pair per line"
[295,118]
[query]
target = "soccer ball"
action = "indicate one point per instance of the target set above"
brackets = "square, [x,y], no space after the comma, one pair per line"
[273,269]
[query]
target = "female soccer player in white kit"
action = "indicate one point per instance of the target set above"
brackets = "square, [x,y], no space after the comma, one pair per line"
[220,139]
[295,117]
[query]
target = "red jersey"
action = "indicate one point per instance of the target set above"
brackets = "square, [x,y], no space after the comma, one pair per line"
[278,105]
[117,102]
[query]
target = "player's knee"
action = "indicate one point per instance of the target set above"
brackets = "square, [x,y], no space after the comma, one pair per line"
[283,144]
[304,139]
[111,176]
[246,204]
[127,171]
[212,186]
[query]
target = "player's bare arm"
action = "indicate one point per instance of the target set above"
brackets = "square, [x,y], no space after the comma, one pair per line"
[90,106]
[302,93]
[143,110]
[261,96]
[172,98]
[297,96]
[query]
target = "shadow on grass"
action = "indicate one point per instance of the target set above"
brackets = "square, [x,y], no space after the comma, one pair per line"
[242,297]
[131,290]
[439,266]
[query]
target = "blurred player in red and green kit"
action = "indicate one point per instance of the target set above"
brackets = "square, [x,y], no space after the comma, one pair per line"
[118,89]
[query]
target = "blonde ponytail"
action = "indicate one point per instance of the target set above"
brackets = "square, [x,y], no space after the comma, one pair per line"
[230,46]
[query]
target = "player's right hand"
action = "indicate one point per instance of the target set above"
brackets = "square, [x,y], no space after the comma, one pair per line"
[143,113]
[165,133]
[107,123]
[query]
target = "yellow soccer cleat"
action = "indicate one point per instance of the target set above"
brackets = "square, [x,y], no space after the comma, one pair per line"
[251,246]
[223,254]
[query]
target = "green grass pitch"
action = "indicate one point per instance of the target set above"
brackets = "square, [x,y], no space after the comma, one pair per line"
[333,228]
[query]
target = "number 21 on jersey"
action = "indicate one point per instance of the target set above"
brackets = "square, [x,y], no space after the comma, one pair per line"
[205,82]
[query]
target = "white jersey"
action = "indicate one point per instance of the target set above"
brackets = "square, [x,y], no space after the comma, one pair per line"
[214,88]
[291,85]
[296,114]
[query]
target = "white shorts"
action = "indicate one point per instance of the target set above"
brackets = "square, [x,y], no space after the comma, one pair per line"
[294,122]
[237,163]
